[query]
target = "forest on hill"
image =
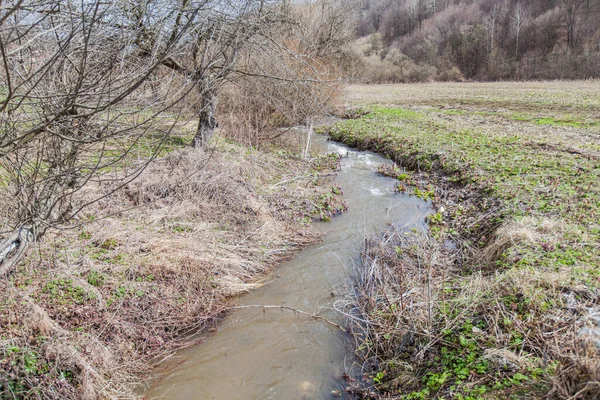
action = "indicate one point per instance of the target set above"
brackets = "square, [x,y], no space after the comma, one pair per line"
[446,40]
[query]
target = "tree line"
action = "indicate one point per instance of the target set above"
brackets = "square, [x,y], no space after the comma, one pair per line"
[418,40]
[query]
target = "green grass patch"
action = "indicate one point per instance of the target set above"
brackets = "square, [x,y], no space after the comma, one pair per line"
[552,121]
[64,291]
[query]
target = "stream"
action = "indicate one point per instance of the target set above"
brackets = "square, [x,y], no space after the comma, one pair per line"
[278,354]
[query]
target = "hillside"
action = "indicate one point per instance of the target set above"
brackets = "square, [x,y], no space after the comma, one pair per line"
[446,40]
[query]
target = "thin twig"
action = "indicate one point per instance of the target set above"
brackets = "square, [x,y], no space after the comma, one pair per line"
[295,310]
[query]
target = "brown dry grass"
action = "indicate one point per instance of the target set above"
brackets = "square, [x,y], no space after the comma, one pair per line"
[94,307]
[425,330]
[558,95]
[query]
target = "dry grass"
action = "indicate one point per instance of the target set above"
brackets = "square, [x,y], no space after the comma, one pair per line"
[94,307]
[539,96]
[425,330]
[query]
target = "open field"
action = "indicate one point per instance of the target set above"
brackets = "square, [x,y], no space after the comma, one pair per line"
[510,308]
[543,97]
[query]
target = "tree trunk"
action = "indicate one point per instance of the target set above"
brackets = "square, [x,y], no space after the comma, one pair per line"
[493,33]
[309,125]
[206,118]
[13,248]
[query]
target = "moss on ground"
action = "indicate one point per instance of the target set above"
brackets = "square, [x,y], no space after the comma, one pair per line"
[522,205]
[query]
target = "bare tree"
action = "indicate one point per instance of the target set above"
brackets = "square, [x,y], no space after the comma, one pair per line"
[221,30]
[76,109]
[571,9]
[518,19]
[251,38]
[491,23]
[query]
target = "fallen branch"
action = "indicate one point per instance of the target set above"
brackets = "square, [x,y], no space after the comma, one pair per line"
[292,180]
[296,311]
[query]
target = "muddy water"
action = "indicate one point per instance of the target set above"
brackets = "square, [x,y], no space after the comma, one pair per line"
[279,355]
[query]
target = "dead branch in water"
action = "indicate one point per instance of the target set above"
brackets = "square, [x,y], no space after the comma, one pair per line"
[295,310]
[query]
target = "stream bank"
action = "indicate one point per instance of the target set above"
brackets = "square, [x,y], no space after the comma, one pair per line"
[500,299]
[93,308]
[272,353]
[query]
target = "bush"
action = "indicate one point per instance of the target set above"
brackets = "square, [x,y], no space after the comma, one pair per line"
[452,74]
[396,67]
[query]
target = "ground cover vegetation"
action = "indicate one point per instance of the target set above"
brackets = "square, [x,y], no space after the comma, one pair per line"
[448,40]
[500,297]
[124,230]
